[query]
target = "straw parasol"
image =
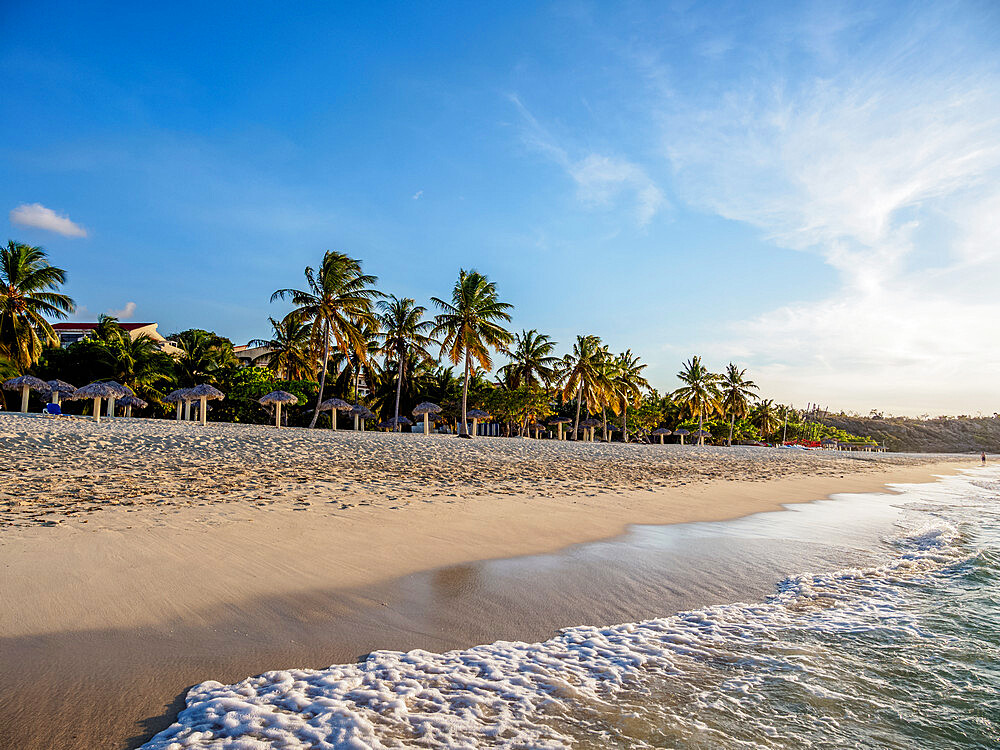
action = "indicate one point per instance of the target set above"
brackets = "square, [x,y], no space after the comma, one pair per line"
[426,409]
[25,384]
[682,432]
[475,415]
[361,413]
[662,432]
[701,435]
[395,422]
[278,398]
[559,422]
[129,401]
[203,393]
[120,391]
[590,424]
[335,405]
[60,386]
[97,391]
[177,397]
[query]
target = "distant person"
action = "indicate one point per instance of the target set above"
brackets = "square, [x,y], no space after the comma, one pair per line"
[982,457]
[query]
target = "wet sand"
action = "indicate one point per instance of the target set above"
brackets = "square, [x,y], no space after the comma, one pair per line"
[113,612]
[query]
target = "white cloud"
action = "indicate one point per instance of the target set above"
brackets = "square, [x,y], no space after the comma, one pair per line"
[416,195]
[894,180]
[38,216]
[126,313]
[600,180]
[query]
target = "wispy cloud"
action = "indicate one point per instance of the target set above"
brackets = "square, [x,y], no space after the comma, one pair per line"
[126,313]
[892,175]
[600,179]
[416,195]
[38,216]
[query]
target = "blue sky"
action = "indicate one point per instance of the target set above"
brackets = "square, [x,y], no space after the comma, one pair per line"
[809,189]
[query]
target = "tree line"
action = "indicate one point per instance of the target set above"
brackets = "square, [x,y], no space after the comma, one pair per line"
[342,331]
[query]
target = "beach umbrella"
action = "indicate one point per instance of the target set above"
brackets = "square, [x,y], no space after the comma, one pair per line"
[426,409]
[335,405]
[701,435]
[278,398]
[398,422]
[559,422]
[129,401]
[590,424]
[177,397]
[26,384]
[118,391]
[475,415]
[204,393]
[682,432]
[59,386]
[662,432]
[97,391]
[361,413]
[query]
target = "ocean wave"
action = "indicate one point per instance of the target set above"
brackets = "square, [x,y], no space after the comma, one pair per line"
[704,678]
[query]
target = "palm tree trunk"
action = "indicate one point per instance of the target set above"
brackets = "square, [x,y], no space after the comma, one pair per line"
[732,421]
[625,422]
[399,390]
[576,422]
[463,429]
[701,438]
[604,429]
[322,377]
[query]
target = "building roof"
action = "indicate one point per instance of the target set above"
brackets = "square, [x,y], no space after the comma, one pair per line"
[92,326]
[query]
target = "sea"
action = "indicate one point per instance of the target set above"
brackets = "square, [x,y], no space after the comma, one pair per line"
[890,639]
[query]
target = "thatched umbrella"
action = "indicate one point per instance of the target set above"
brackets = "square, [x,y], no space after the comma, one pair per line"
[177,397]
[129,401]
[662,432]
[559,422]
[830,443]
[120,391]
[682,432]
[361,413]
[59,386]
[590,424]
[426,409]
[26,383]
[395,422]
[278,398]
[97,391]
[475,415]
[701,435]
[203,393]
[335,405]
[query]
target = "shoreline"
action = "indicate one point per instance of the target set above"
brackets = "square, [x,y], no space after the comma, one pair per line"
[125,675]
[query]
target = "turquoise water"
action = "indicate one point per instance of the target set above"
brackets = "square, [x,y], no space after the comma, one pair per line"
[901,653]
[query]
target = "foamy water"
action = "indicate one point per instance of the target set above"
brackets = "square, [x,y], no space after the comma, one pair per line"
[904,654]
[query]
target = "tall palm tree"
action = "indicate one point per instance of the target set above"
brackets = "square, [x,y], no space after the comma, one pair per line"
[700,393]
[628,384]
[583,375]
[470,325]
[737,393]
[289,352]
[531,360]
[203,355]
[140,364]
[766,417]
[28,293]
[403,332]
[337,301]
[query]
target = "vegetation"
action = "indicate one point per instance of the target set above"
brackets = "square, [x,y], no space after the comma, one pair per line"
[342,333]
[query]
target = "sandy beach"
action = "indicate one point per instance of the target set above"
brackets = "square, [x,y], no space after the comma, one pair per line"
[141,557]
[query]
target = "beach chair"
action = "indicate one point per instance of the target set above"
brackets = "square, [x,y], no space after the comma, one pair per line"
[52,410]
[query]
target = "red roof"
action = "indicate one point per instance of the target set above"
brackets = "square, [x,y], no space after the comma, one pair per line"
[91,326]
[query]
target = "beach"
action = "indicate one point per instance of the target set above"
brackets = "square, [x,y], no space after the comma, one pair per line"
[141,557]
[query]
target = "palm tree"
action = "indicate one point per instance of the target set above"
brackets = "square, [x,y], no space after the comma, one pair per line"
[531,360]
[700,393]
[737,393]
[471,324]
[583,375]
[203,355]
[336,302]
[628,384]
[289,354]
[28,287]
[140,364]
[403,332]
[765,416]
